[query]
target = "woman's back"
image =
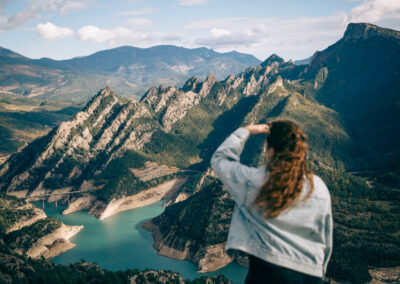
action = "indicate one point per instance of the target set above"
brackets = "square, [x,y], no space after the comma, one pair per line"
[299,238]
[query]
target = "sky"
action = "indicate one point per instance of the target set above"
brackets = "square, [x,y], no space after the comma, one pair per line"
[293,29]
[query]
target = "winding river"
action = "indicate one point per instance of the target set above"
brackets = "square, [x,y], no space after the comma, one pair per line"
[119,242]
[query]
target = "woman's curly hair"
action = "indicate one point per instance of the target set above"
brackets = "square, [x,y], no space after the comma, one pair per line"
[287,168]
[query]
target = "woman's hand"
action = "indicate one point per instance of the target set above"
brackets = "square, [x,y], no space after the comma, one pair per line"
[258,128]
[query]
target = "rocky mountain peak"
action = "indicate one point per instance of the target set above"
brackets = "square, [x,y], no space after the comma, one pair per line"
[104,94]
[271,60]
[211,78]
[107,91]
[191,84]
[357,31]
[207,84]
[152,91]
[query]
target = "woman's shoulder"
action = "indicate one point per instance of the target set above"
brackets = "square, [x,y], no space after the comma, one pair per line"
[320,189]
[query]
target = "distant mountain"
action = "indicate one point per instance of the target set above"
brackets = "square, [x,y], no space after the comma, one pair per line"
[123,153]
[303,61]
[130,70]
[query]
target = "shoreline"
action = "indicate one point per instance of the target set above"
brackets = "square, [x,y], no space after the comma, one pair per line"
[123,237]
[101,210]
[206,258]
[55,243]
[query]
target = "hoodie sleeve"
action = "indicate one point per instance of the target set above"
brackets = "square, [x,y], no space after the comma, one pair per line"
[328,237]
[226,163]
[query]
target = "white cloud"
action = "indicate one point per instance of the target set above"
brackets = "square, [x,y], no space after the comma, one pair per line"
[169,38]
[192,2]
[140,23]
[38,7]
[216,33]
[374,11]
[137,12]
[49,31]
[288,37]
[264,36]
[63,6]
[223,37]
[114,36]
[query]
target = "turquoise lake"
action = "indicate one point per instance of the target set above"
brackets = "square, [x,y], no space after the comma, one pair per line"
[119,242]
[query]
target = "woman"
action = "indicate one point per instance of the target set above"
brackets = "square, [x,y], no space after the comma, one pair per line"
[282,217]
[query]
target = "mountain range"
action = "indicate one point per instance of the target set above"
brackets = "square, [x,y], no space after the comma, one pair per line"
[122,153]
[129,69]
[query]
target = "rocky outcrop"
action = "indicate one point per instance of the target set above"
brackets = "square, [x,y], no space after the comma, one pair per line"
[31,233]
[171,104]
[81,203]
[152,170]
[108,133]
[191,85]
[278,83]
[169,245]
[357,31]
[3,159]
[156,98]
[178,109]
[143,198]
[25,221]
[196,228]
[55,243]
[211,258]
[207,85]
[206,258]
[252,86]
[385,275]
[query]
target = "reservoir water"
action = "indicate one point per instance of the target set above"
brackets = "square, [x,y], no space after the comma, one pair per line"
[119,243]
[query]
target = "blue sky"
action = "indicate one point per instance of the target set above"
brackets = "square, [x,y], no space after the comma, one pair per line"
[63,29]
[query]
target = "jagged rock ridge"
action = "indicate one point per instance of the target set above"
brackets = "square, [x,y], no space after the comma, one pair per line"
[78,154]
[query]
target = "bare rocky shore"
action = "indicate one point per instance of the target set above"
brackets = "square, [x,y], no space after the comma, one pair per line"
[101,210]
[33,234]
[206,258]
[27,221]
[55,243]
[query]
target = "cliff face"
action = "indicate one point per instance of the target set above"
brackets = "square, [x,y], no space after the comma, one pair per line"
[196,228]
[26,230]
[357,31]
[360,81]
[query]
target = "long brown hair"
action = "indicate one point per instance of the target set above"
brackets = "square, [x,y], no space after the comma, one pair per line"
[287,168]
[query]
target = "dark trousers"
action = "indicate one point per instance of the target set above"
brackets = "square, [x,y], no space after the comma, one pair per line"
[261,272]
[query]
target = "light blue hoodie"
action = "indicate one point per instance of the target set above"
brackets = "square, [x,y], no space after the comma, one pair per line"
[300,238]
